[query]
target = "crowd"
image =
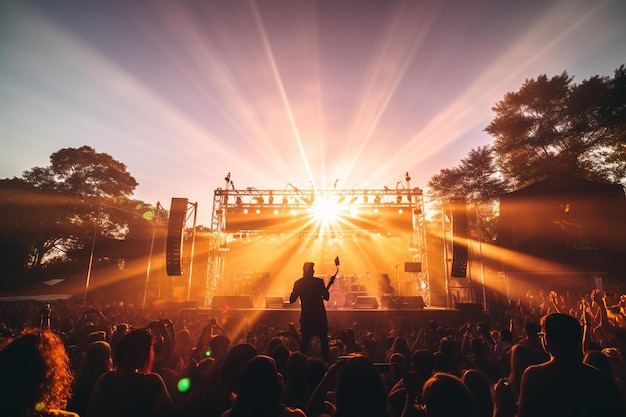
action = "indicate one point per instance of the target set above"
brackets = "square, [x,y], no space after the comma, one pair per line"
[548,354]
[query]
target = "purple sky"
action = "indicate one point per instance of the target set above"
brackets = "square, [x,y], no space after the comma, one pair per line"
[280,91]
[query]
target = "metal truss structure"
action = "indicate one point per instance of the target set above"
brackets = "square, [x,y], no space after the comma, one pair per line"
[272,211]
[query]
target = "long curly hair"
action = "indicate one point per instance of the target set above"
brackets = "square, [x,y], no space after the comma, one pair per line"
[35,373]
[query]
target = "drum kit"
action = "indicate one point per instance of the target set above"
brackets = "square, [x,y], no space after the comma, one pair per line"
[346,289]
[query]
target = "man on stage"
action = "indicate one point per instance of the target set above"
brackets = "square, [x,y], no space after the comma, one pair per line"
[313,321]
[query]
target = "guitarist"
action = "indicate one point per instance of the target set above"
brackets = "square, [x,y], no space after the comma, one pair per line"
[313,322]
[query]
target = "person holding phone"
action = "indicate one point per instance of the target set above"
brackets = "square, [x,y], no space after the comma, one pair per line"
[313,321]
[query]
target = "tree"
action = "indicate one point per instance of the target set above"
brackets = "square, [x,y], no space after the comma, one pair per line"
[49,215]
[553,126]
[83,173]
[477,181]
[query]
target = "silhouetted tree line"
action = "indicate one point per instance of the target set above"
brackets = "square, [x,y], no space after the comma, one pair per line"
[49,216]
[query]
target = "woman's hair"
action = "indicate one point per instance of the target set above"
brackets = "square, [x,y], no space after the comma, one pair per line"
[35,374]
[97,360]
[260,389]
[134,352]
[445,395]
[360,390]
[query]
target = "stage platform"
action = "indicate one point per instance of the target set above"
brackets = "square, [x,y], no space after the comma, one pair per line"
[367,317]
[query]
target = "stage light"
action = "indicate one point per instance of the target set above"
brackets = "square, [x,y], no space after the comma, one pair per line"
[275,211]
[400,211]
[245,211]
[341,199]
[258,211]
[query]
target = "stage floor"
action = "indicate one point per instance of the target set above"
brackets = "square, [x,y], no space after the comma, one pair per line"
[345,317]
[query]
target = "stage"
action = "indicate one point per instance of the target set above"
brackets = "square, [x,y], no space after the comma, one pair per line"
[367,317]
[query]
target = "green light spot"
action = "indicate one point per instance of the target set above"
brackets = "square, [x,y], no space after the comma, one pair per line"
[184,384]
[207,353]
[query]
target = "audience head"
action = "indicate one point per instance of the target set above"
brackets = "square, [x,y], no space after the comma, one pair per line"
[35,374]
[423,363]
[314,371]
[97,360]
[360,390]
[441,362]
[236,359]
[218,346]
[134,352]
[563,335]
[480,389]
[531,328]
[260,388]
[598,360]
[446,395]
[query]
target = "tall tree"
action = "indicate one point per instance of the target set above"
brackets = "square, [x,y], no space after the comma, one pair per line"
[475,180]
[50,214]
[553,126]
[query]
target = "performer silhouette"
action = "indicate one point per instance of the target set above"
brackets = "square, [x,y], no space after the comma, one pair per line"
[313,321]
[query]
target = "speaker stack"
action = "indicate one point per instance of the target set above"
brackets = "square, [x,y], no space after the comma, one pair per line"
[174,241]
[459,239]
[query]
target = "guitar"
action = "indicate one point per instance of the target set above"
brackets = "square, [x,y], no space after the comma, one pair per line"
[332,279]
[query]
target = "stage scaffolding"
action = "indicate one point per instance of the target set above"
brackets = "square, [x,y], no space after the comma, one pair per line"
[252,210]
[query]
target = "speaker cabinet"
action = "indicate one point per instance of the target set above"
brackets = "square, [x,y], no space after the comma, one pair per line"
[412,267]
[365,302]
[408,302]
[274,302]
[227,302]
[459,239]
[174,241]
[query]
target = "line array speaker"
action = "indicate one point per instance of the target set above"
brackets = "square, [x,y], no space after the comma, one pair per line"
[459,239]
[174,241]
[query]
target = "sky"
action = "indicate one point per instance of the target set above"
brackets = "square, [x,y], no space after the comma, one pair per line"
[277,92]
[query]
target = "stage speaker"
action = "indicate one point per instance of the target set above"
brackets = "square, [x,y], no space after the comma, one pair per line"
[227,302]
[365,302]
[174,241]
[459,239]
[190,304]
[471,312]
[412,267]
[274,302]
[408,302]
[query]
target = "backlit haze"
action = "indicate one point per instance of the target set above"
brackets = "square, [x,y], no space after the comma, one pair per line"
[275,92]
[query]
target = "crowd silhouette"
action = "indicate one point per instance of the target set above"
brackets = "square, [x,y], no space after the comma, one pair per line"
[545,355]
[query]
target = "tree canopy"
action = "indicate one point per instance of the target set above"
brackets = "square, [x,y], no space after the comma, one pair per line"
[552,125]
[48,216]
[475,180]
[84,173]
